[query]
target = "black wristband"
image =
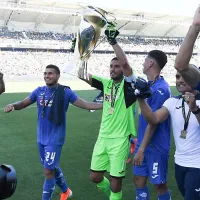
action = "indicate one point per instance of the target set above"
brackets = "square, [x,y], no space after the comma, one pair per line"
[197,111]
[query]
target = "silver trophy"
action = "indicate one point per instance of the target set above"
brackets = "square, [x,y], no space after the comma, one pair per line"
[92,21]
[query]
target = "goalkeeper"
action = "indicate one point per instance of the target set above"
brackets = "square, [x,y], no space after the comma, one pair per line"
[111,149]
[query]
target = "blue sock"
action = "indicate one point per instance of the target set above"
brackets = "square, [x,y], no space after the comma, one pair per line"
[48,189]
[142,193]
[165,196]
[60,180]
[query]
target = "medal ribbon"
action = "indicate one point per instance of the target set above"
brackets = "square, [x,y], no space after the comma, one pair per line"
[184,116]
[113,97]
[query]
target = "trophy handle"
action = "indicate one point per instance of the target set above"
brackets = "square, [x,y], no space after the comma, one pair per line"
[101,12]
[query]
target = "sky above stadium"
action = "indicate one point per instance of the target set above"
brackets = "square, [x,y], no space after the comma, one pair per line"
[172,7]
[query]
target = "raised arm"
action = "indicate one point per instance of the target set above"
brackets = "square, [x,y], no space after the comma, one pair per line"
[123,60]
[111,32]
[190,74]
[18,105]
[87,105]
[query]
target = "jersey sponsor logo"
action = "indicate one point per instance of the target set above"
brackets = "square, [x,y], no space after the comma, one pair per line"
[42,104]
[50,103]
[107,97]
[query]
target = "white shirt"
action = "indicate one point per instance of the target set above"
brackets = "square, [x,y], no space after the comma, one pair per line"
[187,152]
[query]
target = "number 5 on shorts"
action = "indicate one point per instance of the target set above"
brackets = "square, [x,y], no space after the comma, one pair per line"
[155,168]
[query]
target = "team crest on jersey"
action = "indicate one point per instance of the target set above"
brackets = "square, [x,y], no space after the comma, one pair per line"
[107,97]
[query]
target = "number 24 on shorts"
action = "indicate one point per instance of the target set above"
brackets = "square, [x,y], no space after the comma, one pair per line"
[50,156]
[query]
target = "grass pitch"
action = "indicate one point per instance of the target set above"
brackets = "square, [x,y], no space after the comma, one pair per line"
[18,147]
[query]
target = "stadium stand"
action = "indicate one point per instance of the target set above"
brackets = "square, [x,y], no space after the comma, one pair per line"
[27,46]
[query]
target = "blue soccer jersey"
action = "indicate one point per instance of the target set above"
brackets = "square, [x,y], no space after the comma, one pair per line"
[48,133]
[160,142]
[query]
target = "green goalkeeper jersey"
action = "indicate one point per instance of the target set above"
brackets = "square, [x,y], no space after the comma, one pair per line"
[118,108]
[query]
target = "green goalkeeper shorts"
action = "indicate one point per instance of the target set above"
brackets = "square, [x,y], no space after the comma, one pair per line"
[110,154]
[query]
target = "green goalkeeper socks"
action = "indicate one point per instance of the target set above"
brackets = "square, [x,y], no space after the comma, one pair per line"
[104,186]
[116,196]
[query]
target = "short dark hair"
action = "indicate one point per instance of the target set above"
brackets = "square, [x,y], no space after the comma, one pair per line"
[115,58]
[53,67]
[159,56]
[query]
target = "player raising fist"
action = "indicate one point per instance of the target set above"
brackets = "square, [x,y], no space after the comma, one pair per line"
[189,72]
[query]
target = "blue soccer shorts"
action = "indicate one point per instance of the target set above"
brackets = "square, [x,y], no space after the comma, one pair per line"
[154,166]
[50,155]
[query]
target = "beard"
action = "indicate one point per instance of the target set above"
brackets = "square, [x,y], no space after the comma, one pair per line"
[117,78]
[51,84]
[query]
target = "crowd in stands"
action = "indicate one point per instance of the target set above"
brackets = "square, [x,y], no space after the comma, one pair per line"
[99,64]
[139,44]
[6,34]
[28,63]
[35,38]
[32,63]
[134,43]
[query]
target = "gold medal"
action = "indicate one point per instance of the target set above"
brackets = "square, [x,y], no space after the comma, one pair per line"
[183,134]
[111,110]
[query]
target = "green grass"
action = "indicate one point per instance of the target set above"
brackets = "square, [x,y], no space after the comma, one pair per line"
[18,147]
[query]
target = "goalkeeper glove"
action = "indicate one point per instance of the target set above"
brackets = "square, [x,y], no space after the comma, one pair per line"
[140,88]
[111,33]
